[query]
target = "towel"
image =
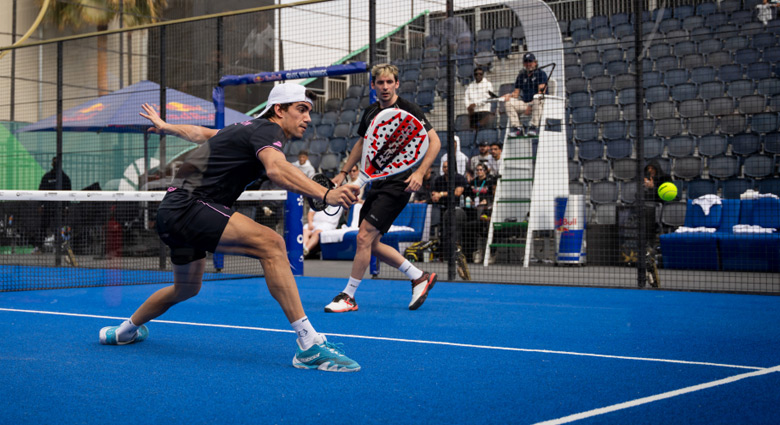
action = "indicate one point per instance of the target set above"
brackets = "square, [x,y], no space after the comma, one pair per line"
[337,235]
[683,229]
[752,194]
[706,202]
[751,228]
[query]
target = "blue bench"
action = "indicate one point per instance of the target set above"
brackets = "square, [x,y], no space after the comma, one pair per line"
[413,215]
[724,249]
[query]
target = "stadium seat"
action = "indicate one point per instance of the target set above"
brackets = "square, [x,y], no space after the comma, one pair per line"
[692,23]
[586,131]
[590,150]
[606,113]
[673,214]
[601,82]
[747,56]
[666,63]
[758,166]
[701,126]
[706,9]
[653,147]
[719,58]
[574,170]
[762,41]
[333,105]
[624,169]
[733,124]
[603,192]
[769,186]
[772,143]
[325,130]
[712,145]
[687,168]
[680,146]
[708,46]
[341,130]
[595,170]
[623,82]
[668,127]
[769,86]
[719,106]
[730,72]
[683,92]
[752,104]
[723,167]
[330,117]
[576,85]
[692,60]
[734,187]
[735,43]
[627,191]
[662,110]
[674,77]
[581,115]
[337,146]
[758,70]
[657,94]
[764,122]
[614,130]
[652,79]
[691,108]
[318,146]
[701,187]
[618,149]
[739,88]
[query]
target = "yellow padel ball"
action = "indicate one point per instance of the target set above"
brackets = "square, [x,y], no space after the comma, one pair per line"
[667,191]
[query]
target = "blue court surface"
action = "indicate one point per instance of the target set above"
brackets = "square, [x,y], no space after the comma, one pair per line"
[473,353]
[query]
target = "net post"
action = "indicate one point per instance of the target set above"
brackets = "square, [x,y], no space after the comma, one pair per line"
[293,232]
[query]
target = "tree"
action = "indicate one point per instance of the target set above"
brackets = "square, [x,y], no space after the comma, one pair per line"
[75,13]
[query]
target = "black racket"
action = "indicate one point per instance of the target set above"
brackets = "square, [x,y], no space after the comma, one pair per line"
[319,204]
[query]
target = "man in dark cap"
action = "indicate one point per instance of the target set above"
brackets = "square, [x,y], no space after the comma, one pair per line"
[530,82]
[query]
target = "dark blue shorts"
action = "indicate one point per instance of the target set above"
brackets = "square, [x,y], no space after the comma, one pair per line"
[190,226]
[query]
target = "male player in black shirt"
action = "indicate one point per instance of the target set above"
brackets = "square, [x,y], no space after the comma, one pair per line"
[196,216]
[386,199]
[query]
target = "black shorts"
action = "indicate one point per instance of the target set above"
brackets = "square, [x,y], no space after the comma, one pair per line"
[384,203]
[190,226]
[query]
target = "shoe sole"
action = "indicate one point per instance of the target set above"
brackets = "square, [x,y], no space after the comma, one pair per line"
[429,285]
[346,310]
[324,367]
[141,334]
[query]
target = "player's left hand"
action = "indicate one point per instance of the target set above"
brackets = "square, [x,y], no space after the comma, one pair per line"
[414,182]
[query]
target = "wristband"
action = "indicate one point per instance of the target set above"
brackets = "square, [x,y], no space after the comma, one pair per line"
[326,196]
[346,173]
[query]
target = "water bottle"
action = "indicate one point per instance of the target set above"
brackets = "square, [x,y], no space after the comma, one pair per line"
[468,202]
[461,201]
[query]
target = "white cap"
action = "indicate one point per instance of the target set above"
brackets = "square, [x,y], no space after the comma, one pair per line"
[286,93]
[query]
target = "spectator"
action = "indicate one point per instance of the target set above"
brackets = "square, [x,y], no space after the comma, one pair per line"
[423,194]
[477,95]
[353,175]
[439,195]
[304,164]
[481,193]
[653,178]
[530,82]
[764,11]
[462,159]
[495,152]
[317,222]
[483,156]
[48,210]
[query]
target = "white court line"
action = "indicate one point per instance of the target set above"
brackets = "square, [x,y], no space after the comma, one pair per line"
[415,341]
[650,399]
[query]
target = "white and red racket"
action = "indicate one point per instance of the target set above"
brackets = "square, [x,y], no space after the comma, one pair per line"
[394,142]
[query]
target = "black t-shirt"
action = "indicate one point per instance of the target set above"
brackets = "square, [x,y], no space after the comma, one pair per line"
[49,181]
[374,109]
[440,185]
[221,168]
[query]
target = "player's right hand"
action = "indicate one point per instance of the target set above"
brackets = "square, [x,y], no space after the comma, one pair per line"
[343,196]
[152,115]
[338,179]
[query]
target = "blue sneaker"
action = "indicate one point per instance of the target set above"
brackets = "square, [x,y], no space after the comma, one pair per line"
[326,356]
[108,335]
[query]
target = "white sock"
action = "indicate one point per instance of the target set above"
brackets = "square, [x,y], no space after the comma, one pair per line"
[352,286]
[410,271]
[307,336]
[126,330]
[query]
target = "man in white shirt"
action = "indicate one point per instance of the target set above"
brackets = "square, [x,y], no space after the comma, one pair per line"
[484,156]
[304,164]
[477,94]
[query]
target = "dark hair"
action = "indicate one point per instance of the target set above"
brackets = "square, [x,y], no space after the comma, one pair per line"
[284,106]
[479,68]
[303,152]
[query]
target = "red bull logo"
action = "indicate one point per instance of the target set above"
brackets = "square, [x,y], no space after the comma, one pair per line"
[185,112]
[84,114]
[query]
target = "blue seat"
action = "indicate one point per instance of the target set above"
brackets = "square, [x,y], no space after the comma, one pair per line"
[763,40]
[425,100]
[699,251]
[603,192]
[675,77]
[614,130]
[687,168]
[739,88]
[753,252]
[595,170]
[733,188]
[730,72]
[467,138]
[769,186]
[606,113]
[680,146]
[683,92]
[582,115]
[723,167]
[654,147]
[745,144]
[486,135]
[759,166]
[325,130]
[709,45]
[712,145]
[619,148]
[764,122]
[624,169]
[691,108]
[772,143]
[769,86]
[341,130]
[576,85]
[701,187]
[668,127]
[603,97]
[752,104]
[745,57]
[719,106]
[706,9]
[579,100]
[666,63]
[338,146]
[758,70]
[657,94]
[701,125]
[733,124]
[591,149]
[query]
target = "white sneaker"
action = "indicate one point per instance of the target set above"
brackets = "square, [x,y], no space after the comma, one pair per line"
[420,289]
[342,303]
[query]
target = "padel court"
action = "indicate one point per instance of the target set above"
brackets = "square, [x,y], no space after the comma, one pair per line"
[474,353]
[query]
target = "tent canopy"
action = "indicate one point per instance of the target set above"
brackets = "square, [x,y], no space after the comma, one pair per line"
[118,111]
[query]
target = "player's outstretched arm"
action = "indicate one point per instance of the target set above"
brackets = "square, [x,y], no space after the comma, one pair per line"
[291,178]
[414,182]
[192,133]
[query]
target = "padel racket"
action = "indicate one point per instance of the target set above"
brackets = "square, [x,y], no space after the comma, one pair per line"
[319,204]
[394,142]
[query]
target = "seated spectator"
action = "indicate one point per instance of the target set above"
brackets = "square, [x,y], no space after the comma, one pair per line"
[764,11]
[483,156]
[530,81]
[495,152]
[481,194]
[439,195]
[317,222]
[354,172]
[477,95]
[462,159]
[423,195]
[304,164]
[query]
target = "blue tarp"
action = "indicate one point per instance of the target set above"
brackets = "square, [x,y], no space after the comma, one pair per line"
[118,111]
